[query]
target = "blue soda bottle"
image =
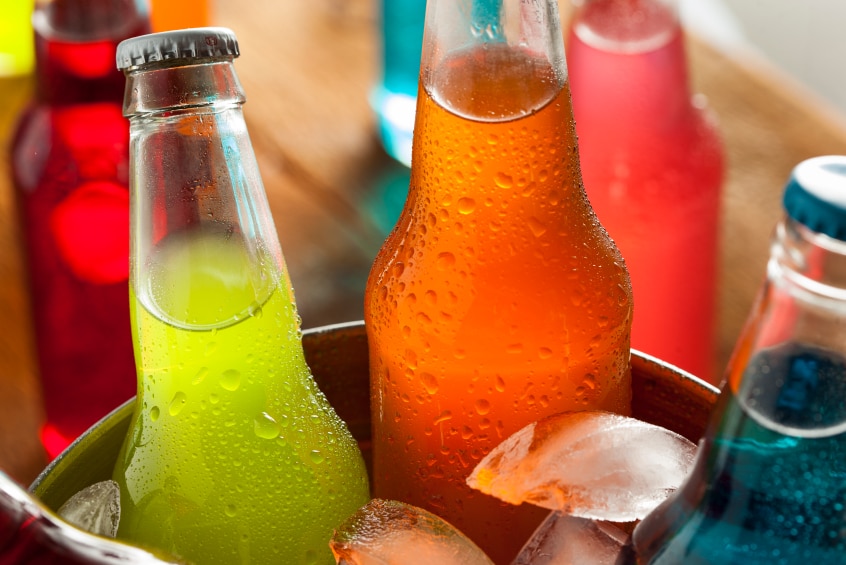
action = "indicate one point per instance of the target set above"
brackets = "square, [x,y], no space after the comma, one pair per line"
[395,98]
[769,484]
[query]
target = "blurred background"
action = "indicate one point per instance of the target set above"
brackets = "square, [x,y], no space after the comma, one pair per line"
[770,70]
[803,39]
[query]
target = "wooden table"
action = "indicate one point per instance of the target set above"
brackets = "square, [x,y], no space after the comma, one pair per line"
[307,68]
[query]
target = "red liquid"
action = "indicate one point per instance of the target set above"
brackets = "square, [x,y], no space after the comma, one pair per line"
[652,166]
[32,535]
[70,166]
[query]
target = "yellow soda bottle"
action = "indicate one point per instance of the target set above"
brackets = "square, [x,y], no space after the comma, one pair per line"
[233,454]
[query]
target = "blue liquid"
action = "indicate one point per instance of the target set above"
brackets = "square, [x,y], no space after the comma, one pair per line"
[395,98]
[770,484]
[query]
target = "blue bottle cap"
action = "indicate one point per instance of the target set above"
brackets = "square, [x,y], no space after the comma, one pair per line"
[194,43]
[815,195]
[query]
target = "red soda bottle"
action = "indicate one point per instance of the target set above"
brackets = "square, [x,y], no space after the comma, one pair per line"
[652,164]
[70,166]
[30,534]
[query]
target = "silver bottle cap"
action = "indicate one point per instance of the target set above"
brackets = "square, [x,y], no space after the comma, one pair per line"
[195,43]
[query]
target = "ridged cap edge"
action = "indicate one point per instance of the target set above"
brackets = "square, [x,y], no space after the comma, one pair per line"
[194,43]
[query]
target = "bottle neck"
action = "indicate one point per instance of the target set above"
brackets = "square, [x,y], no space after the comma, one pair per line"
[193,170]
[75,44]
[164,88]
[628,63]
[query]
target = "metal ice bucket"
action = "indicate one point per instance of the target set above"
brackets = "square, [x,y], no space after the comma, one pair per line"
[338,357]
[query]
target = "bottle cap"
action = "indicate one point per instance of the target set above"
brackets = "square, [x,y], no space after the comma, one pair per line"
[196,43]
[815,195]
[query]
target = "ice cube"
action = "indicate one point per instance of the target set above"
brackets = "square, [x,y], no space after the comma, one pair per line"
[567,540]
[95,509]
[589,464]
[387,532]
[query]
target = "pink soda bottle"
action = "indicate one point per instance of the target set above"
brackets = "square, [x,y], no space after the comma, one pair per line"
[652,164]
[70,159]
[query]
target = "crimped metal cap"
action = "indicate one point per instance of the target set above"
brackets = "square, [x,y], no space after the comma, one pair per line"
[815,195]
[196,43]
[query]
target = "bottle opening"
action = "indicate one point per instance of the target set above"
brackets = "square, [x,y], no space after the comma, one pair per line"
[627,26]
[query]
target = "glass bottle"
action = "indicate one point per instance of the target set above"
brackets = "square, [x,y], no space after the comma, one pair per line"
[498,298]
[30,534]
[769,484]
[70,167]
[652,163]
[233,454]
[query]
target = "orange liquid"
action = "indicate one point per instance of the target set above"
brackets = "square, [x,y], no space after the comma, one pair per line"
[498,298]
[166,15]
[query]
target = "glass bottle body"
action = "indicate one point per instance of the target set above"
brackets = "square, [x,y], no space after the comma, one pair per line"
[653,167]
[70,166]
[233,455]
[768,485]
[498,298]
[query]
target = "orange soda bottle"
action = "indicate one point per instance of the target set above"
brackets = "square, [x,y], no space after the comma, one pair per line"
[498,298]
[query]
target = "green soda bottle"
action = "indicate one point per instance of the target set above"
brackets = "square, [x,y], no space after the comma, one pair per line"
[233,454]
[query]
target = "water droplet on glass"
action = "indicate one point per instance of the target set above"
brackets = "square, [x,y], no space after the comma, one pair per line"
[316,456]
[445,260]
[265,427]
[445,416]
[211,347]
[200,376]
[503,181]
[177,404]
[429,382]
[154,413]
[482,406]
[499,384]
[538,229]
[230,380]
[466,205]
[544,353]
[231,510]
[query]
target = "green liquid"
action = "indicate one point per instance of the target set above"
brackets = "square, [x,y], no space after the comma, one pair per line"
[234,455]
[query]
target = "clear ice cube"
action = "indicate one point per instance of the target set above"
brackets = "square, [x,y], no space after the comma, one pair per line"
[95,509]
[589,464]
[567,540]
[387,532]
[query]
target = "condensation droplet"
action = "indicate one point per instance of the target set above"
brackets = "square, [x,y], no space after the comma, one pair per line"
[154,413]
[445,260]
[466,205]
[538,229]
[231,510]
[482,407]
[211,347]
[200,376]
[177,404]
[445,416]
[544,353]
[499,384]
[230,380]
[514,348]
[316,456]
[430,383]
[503,181]
[265,427]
